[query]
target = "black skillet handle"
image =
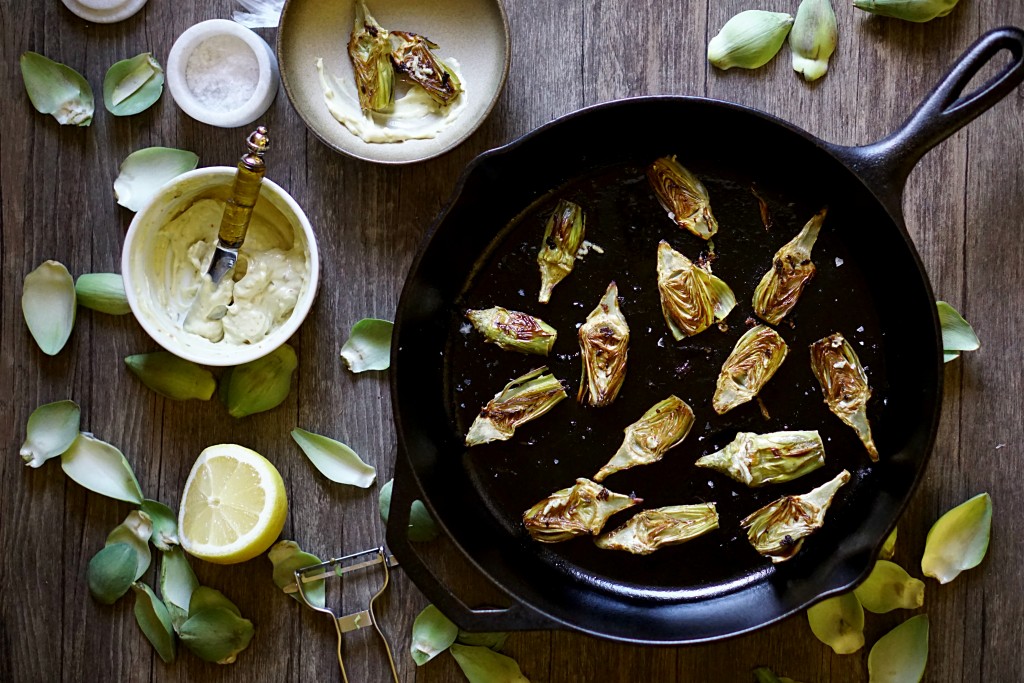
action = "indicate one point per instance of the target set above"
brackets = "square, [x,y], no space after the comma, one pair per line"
[516,617]
[886,164]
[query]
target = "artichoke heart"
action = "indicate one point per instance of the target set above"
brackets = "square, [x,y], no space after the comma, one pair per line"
[604,342]
[649,530]
[778,529]
[844,384]
[649,438]
[563,237]
[369,48]
[692,299]
[753,361]
[513,331]
[775,458]
[581,509]
[523,399]
[779,289]
[414,60]
[683,196]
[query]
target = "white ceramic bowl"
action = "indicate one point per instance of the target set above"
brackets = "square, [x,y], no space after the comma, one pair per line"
[170,201]
[177,68]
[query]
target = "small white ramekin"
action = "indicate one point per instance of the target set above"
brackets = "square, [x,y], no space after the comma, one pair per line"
[258,102]
[171,200]
[104,11]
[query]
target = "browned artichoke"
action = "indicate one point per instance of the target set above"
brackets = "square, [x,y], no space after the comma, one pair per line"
[604,343]
[775,458]
[523,399]
[563,237]
[649,530]
[845,385]
[753,361]
[778,529]
[581,509]
[692,299]
[513,331]
[414,60]
[649,438]
[683,196]
[779,289]
[369,48]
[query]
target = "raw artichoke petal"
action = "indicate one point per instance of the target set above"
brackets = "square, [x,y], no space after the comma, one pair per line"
[839,623]
[889,546]
[48,304]
[368,346]
[171,376]
[432,634]
[749,40]
[111,572]
[103,292]
[57,89]
[958,540]
[155,621]
[50,431]
[494,641]
[889,587]
[900,656]
[813,38]
[216,634]
[177,583]
[957,333]
[484,665]
[133,85]
[205,598]
[145,171]
[287,557]
[101,468]
[335,460]
[918,11]
[135,532]
[421,524]
[262,384]
[165,524]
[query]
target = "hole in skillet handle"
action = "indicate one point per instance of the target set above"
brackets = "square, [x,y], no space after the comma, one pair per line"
[885,165]
[515,617]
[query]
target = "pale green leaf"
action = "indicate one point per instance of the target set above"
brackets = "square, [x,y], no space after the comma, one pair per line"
[335,460]
[958,540]
[262,384]
[135,532]
[103,292]
[206,598]
[432,634]
[155,621]
[889,587]
[111,572]
[57,89]
[287,557]
[369,345]
[51,430]
[889,547]
[957,333]
[48,304]
[101,468]
[484,665]
[165,524]
[900,656]
[133,85]
[145,171]
[839,623]
[168,375]
[177,583]
[216,634]
[421,524]
[495,640]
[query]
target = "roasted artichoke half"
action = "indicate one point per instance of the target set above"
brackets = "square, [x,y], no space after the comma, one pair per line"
[792,268]
[778,529]
[581,509]
[649,530]
[369,48]
[692,299]
[775,458]
[523,399]
[845,385]
[683,196]
[663,426]
[414,60]
[753,361]
[513,331]
[604,343]
[563,237]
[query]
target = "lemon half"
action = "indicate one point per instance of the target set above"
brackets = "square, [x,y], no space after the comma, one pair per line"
[233,507]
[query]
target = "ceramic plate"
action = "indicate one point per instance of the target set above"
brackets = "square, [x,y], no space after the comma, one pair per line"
[474,32]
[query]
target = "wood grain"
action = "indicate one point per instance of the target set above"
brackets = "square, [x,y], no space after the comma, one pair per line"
[962,206]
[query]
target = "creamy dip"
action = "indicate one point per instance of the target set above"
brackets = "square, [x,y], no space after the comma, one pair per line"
[269,276]
[413,116]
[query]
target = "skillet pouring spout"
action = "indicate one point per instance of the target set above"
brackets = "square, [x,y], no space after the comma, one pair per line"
[869,285]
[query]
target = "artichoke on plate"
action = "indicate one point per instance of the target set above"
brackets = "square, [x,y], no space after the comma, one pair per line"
[683,196]
[845,385]
[774,458]
[369,48]
[581,509]
[778,529]
[604,343]
[792,268]
[414,60]
[649,530]
[523,399]
[563,237]
[692,299]
[753,361]
[513,331]
[648,439]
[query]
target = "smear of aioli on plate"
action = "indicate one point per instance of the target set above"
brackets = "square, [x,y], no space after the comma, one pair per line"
[414,115]
[271,272]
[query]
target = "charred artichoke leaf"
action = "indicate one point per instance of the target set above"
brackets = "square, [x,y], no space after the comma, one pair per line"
[683,196]
[513,331]
[604,342]
[649,530]
[692,299]
[563,237]
[414,59]
[778,529]
[844,384]
[581,509]
[753,361]
[774,458]
[523,399]
[369,48]
[663,426]
[780,288]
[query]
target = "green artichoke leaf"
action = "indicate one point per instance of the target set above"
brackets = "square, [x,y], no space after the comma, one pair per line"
[287,557]
[432,634]
[900,656]
[133,85]
[154,621]
[957,333]
[50,431]
[889,587]
[958,540]
[484,665]
[839,623]
[57,90]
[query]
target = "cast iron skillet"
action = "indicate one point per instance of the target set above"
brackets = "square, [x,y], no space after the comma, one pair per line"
[870,285]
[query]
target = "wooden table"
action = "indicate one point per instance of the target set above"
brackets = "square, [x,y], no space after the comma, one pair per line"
[962,207]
